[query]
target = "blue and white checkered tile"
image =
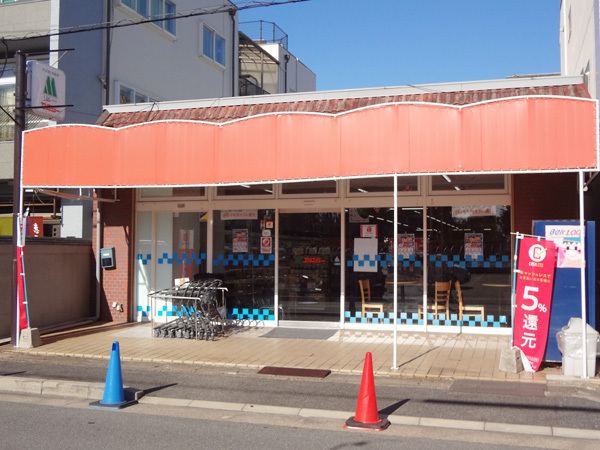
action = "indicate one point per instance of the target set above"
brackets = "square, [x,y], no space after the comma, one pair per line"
[243,259]
[144,258]
[254,314]
[144,311]
[175,311]
[383,261]
[493,261]
[412,318]
[176,258]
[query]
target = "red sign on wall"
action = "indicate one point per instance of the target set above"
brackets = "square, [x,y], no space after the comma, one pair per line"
[533,299]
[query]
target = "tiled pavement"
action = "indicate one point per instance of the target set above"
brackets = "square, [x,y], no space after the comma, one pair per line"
[431,355]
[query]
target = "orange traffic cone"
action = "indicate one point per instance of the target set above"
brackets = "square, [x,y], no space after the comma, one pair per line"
[367,415]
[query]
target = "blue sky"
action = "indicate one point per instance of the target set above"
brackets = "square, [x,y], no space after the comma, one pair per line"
[369,43]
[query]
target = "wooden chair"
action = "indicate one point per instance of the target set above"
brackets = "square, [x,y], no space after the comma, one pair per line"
[365,295]
[442,299]
[467,309]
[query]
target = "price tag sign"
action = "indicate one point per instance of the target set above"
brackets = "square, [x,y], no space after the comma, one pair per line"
[533,299]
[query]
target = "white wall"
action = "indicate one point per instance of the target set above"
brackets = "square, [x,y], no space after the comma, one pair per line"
[24,17]
[147,59]
[579,40]
[298,78]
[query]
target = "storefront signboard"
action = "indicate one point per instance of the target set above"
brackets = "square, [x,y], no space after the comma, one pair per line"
[568,245]
[240,241]
[533,299]
[464,212]
[239,214]
[473,245]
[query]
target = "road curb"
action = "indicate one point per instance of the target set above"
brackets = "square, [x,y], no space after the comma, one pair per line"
[60,388]
[86,390]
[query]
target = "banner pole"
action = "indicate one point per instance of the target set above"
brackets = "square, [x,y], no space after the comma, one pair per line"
[514,291]
[583,268]
[395,365]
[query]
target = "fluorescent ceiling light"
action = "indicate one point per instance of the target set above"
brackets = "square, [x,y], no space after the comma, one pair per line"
[447,178]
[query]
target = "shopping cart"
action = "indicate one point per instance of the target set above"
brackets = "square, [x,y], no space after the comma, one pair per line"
[194,310]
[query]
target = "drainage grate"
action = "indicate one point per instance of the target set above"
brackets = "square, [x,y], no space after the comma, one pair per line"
[293,372]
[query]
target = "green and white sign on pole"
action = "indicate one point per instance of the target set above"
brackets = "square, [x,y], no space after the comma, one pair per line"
[47,91]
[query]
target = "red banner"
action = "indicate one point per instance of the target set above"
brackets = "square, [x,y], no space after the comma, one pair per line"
[533,299]
[23,322]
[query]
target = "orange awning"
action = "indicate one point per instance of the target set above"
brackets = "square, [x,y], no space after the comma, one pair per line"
[520,134]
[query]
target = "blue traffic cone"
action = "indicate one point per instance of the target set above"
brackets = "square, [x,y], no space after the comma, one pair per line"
[114,396]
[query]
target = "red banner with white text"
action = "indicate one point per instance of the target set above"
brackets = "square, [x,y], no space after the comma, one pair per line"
[533,299]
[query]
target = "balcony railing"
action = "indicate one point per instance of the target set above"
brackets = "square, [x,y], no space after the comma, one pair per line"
[264,32]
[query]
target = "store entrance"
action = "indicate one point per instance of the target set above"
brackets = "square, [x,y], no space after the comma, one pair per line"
[309,266]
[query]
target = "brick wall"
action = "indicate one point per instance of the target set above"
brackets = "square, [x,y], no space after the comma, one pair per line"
[117,228]
[547,196]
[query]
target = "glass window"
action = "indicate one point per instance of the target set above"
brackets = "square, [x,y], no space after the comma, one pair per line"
[170,12]
[158,9]
[126,95]
[309,187]
[130,95]
[455,183]
[245,190]
[370,262]
[383,184]
[213,45]
[172,192]
[220,50]
[208,43]
[471,245]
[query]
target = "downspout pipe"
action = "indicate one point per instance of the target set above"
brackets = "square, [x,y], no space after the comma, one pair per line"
[232,14]
[107,101]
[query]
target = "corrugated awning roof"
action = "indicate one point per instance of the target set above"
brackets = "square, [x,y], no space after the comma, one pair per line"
[330,103]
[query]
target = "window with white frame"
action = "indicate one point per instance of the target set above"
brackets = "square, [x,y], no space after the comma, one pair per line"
[155,9]
[130,95]
[212,45]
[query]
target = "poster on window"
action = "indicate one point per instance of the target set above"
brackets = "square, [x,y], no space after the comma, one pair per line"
[266,245]
[473,245]
[568,240]
[240,240]
[533,299]
[368,231]
[365,253]
[406,245]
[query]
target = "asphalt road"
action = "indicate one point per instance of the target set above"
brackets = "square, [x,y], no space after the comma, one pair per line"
[515,403]
[33,422]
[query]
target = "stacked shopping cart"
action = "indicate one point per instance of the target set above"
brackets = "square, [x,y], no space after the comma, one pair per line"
[194,310]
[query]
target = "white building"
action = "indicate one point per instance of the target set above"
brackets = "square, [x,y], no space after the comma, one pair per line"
[580,41]
[191,57]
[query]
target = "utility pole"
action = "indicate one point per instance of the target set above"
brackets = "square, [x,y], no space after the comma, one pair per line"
[20,96]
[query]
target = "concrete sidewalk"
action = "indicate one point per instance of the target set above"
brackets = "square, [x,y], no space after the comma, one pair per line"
[431,355]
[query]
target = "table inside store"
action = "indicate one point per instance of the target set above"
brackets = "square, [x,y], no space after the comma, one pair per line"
[403,281]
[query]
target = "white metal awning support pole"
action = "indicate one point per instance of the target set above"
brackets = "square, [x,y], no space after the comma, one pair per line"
[584,362]
[395,266]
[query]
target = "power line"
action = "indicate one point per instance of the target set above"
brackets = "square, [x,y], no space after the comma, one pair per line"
[240,6]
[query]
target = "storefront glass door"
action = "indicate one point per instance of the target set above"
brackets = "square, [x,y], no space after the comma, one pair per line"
[309,266]
[178,253]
